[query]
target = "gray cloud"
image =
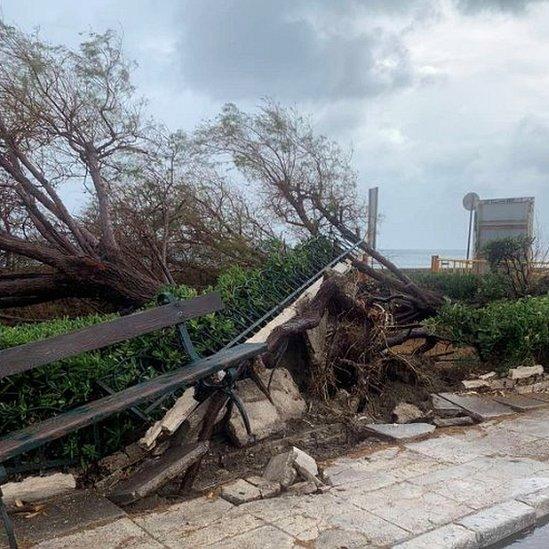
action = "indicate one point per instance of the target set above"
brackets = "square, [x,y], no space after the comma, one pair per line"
[247,49]
[473,7]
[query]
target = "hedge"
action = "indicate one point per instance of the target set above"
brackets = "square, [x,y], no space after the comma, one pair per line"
[506,333]
[46,391]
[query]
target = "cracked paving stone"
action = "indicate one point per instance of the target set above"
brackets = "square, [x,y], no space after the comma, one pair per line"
[411,507]
[121,533]
[183,517]
[451,536]
[266,537]
[447,448]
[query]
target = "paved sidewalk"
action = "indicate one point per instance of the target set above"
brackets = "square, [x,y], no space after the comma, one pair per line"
[461,488]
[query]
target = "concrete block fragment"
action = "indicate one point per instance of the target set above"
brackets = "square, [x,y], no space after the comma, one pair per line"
[475,384]
[451,536]
[406,413]
[444,408]
[37,488]
[482,409]
[396,431]
[281,469]
[305,464]
[523,372]
[302,488]
[499,521]
[488,375]
[518,402]
[267,488]
[240,491]
[453,421]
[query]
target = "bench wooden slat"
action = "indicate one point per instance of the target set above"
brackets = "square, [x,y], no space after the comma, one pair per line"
[26,357]
[56,427]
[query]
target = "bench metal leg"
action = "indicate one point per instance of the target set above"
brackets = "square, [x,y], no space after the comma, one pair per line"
[8,524]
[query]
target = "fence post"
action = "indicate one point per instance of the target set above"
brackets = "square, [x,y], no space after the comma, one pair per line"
[435,263]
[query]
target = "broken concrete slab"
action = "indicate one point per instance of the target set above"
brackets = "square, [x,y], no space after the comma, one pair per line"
[481,409]
[519,403]
[264,421]
[475,384]
[405,412]
[524,372]
[37,488]
[267,488]
[444,408]
[266,418]
[66,514]
[400,432]
[155,474]
[302,488]
[281,469]
[544,397]
[285,393]
[305,464]
[240,491]
[488,375]
[453,421]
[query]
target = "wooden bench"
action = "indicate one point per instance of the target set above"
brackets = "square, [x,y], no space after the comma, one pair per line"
[19,359]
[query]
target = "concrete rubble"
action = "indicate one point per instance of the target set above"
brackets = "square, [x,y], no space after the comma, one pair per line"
[400,432]
[281,474]
[265,417]
[405,412]
[34,489]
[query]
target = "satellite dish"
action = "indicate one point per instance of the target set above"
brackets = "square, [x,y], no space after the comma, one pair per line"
[470,201]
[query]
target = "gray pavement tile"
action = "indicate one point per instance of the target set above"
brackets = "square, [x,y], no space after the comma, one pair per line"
[121,533]
[500,521]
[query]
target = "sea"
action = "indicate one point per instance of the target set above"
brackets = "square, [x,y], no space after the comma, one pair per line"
[420,259]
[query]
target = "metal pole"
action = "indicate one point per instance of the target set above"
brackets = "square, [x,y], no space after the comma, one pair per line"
[469,235]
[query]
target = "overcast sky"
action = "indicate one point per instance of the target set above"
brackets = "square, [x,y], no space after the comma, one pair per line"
[436,97]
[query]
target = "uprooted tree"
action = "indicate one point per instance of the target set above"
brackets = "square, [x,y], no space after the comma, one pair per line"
[71,126]
[307,182]
[67,117]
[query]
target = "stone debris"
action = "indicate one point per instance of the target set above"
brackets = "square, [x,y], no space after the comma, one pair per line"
[481,409]
[285,468]
[405,412]
[281,469]
[267,488]
[525,372]
[444,408]
[453,421]
[518,402]
[303,488]
[488,375]
[400,432]
[475,384]
[37,488]
[539,387]
[266,418]
[240,491]
[155,473]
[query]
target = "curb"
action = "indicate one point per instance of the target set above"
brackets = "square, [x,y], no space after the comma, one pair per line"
[486,527]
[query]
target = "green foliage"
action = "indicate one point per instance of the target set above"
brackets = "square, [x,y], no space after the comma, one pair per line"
[506,332]
[502,250]
[468,287]
[46,391]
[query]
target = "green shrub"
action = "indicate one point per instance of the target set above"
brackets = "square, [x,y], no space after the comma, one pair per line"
[506,333]
[468,287]
[46,391]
